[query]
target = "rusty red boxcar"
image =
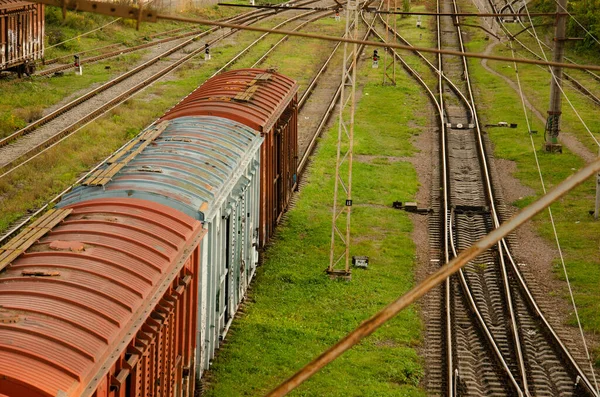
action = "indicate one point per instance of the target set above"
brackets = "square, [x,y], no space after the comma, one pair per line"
[21,35]
[267,102]
[100,300]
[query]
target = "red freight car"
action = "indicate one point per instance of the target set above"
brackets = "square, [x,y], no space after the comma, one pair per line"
[100,300]
[267,102]
[21,35]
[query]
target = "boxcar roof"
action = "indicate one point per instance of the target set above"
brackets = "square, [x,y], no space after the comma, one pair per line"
[190,165]
[254,97]
[71,303]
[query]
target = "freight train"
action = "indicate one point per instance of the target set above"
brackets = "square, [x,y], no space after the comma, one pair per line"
[129,285]
[21,35]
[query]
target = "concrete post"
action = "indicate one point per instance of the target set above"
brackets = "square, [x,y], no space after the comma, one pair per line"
[553,120]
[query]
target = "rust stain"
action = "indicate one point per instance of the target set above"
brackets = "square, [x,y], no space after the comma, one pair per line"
[74,246]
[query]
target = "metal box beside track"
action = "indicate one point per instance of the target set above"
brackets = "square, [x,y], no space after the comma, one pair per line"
[266,102]
[93,295]
[21,34]
[206,167]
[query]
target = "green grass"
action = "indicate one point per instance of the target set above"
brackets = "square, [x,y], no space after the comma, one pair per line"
[297,311]
[28,188]
[24,101]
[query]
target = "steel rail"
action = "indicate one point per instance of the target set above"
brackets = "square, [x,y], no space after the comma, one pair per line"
[531,301]
[450,380]
[492,203]
[249,46]
[433,68]
[412,72]
[44,120]
[469,14]
[313,82]
[370,325]
[70,56]
[285,38]
[503,248]
[506,289]
[482,324]
[13,165]
[450,373]
[243,18]
[121,52]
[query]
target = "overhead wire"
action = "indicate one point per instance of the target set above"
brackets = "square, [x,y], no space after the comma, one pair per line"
[577,22]
[84,34]
[564,94]
[543,185]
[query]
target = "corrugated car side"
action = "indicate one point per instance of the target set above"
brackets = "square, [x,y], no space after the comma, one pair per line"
[21,33]
[80,306]
[207,167]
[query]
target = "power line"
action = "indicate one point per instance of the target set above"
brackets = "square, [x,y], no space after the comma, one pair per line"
[562,259]
[577,22]
[370,325]
[452,14]
[150,16]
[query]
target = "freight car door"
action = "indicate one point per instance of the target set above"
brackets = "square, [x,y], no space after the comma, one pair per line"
[3,42]
[225,284]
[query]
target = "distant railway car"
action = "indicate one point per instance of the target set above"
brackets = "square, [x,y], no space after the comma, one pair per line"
[267,102]
[99,300]
[21,35]
[206,167]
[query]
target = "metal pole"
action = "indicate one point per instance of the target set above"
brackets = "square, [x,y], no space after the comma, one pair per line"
[340,237]
[387,40]
[597,208]
[553,120]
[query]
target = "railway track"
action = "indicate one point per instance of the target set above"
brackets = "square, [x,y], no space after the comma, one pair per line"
[15,151]
[487,308]
[494,338]
[15,227]
[69,66]
[68,58]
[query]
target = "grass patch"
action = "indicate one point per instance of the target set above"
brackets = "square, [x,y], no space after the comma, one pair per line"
[23,100]
[298,312]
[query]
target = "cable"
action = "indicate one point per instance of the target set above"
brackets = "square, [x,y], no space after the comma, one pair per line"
[84,34]
[564,94]
[552,221]
[577,22]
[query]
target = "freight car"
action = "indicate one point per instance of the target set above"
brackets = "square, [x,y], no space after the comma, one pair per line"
[129,286]
[21,35]
[267,102]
